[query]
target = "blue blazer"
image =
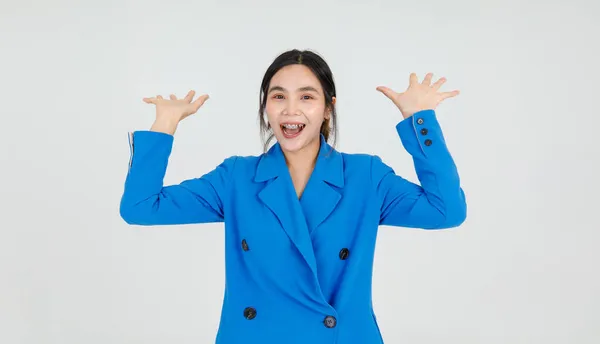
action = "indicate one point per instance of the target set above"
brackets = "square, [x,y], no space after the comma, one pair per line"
[299,270]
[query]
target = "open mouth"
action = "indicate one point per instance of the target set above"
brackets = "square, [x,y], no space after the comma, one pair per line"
[291,130]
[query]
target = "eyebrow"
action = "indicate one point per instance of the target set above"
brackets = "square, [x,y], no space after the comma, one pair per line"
[301,89]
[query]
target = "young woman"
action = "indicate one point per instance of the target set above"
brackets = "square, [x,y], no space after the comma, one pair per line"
[300,219]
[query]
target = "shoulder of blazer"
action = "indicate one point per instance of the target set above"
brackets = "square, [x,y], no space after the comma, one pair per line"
[245,166]
[357,164]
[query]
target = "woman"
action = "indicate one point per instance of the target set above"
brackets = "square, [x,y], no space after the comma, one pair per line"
[301,219]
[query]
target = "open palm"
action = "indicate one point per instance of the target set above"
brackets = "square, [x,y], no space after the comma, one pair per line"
[418,96]
[175,109]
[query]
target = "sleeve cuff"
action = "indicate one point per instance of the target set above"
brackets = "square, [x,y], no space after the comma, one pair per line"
[146,143]
[421,134]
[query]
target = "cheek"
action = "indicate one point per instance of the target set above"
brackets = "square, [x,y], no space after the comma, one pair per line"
[269,106]
[316,115]
[270,112]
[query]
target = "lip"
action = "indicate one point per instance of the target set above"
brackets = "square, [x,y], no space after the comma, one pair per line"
[288,136]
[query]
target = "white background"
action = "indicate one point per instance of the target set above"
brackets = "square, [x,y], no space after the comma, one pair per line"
[523,268]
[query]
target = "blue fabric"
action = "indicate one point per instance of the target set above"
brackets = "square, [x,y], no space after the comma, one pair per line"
[284,256]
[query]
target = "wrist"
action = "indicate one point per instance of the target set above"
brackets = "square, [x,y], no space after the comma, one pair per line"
[407,114]
[166,126]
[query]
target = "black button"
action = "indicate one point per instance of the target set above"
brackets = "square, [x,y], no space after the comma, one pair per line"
[420,121]
[424,131]
[428,142]
[249,313]
[344,253]
[330,321]
[245,245]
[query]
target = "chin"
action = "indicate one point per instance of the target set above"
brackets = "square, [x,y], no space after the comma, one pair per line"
[295,144]
[291,145]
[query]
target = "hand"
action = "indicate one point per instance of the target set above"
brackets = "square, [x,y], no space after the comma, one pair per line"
[418,96]
[176,109]
[170,112]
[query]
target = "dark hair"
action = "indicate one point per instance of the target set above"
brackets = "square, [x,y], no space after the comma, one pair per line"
[321,70]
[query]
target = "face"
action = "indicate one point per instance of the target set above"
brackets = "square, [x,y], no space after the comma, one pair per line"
[296,108]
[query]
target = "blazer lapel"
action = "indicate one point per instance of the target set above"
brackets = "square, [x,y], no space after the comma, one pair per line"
[280,197]
[322,193]
[320,197]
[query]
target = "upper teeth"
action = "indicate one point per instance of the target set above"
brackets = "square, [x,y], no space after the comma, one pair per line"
[293,126]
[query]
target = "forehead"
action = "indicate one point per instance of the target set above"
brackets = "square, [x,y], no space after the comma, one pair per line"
[295,76]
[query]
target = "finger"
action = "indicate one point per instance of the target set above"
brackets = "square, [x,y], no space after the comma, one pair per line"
[172,97]
[412,80]
[451,94]
[388,92]
[159,97]
[439,83]
[188,98]
[427,79]
[149,100]
[199,102]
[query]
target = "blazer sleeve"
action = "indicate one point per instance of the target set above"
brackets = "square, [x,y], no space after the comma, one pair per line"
[439,202]
[145,201]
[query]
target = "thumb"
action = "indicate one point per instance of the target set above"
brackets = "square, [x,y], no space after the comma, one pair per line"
[388,92]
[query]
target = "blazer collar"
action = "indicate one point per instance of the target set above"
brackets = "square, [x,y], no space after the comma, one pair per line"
[329,166]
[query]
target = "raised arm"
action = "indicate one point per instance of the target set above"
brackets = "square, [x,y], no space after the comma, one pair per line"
[145,200]
[439,201]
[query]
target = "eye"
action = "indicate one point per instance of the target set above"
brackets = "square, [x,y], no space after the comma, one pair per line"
[277,95]
[309,96]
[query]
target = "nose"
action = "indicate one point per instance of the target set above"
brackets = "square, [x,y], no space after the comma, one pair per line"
[291,108]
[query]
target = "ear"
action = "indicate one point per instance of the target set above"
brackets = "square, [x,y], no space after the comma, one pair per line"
[328,113]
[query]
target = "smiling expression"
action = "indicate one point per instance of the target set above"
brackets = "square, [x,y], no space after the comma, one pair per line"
[296,107]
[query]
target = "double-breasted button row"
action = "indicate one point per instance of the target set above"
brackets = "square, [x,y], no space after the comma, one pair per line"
[344,252]
[250,313]
[424,132]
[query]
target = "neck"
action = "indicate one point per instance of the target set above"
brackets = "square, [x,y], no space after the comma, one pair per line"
[304,159]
